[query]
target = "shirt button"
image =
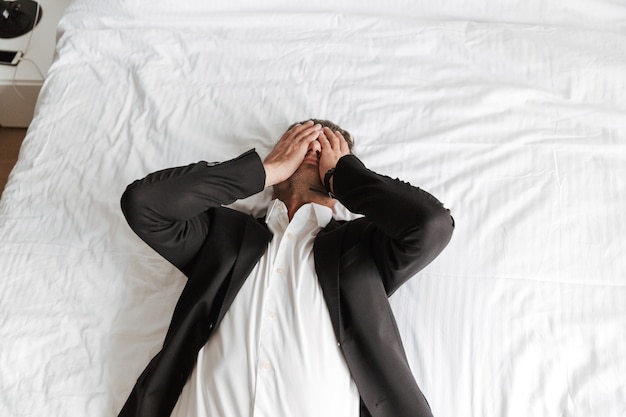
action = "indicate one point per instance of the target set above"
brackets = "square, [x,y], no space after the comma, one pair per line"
[289,236]
[272,314]
[267,366]
[280,271]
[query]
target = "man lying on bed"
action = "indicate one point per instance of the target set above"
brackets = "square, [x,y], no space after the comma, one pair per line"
[286,315]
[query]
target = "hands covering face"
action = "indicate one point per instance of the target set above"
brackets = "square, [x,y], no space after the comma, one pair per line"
[293,146]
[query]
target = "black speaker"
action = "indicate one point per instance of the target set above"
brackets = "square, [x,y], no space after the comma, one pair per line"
[18,17]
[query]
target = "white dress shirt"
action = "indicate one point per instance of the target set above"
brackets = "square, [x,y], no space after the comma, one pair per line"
[275,353]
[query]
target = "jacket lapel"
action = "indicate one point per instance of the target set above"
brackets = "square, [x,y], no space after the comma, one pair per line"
[253,244]
[326,252]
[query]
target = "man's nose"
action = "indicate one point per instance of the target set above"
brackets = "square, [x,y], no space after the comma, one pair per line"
[315,147]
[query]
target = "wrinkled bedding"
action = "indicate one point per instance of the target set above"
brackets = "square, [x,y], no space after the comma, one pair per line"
[512,113]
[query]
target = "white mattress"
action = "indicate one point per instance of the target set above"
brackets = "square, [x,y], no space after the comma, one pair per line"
[513,113]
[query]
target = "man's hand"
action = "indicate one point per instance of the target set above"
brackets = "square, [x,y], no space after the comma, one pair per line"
[289,152]
[334,146]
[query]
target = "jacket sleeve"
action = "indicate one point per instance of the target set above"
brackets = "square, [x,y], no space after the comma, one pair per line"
[169,209]
[406,226]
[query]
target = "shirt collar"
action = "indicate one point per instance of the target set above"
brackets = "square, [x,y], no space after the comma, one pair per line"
[311,216]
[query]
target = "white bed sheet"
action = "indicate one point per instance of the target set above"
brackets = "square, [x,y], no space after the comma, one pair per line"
[512,113]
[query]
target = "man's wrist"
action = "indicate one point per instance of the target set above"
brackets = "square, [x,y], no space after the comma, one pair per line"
[271,175]
[328,181]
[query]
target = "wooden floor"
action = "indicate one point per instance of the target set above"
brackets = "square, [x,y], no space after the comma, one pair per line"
[10,142]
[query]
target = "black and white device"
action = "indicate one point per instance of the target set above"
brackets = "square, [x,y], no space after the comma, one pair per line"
[10,57]
[18,17]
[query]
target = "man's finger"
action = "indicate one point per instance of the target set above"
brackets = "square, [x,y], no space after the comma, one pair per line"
[291,134]
[299,128]
[332,138]
[343,142]
[323,139]
[309,134]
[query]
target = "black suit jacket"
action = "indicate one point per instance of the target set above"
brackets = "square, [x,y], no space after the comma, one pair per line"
[360,263]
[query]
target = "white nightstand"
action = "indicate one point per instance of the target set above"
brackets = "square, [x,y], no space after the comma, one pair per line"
[16,107]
